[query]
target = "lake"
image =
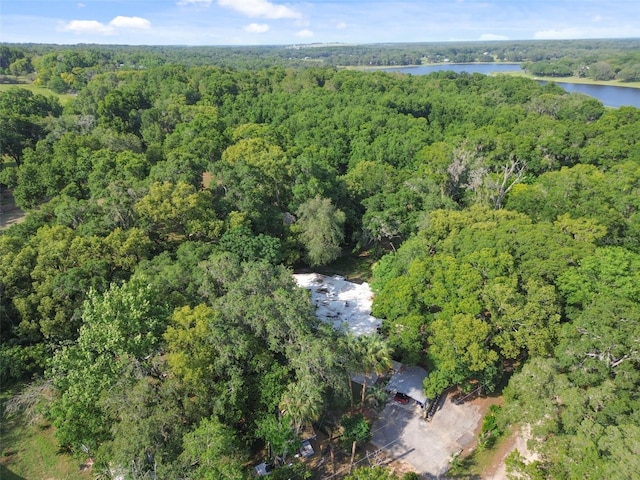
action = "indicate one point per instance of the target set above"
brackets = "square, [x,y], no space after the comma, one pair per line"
[610,96]
[484,68]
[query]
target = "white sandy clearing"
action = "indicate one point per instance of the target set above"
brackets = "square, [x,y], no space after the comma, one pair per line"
[346,305]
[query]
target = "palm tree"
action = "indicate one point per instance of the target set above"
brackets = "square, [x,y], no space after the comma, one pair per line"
[352,360]
[302,402]
[375,357]
[376,396]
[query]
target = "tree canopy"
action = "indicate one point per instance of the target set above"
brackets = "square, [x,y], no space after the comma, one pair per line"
[169,200]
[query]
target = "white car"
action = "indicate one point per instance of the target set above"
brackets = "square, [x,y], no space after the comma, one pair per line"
[263,469]
[306,450]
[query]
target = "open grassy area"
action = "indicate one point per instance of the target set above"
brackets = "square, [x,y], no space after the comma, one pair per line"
[30,451]
[63,97]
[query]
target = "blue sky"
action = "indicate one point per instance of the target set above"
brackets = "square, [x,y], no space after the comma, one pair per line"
[264,22]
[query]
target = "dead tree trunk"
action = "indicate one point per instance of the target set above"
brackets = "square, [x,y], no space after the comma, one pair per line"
[353,455]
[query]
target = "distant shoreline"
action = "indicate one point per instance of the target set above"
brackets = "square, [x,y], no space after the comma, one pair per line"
[576,80]
[387,67]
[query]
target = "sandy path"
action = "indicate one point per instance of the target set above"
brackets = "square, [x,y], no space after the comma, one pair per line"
[517,441]
[9,212]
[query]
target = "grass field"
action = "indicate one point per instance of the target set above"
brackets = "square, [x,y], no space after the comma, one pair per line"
[30,451]
[63,97]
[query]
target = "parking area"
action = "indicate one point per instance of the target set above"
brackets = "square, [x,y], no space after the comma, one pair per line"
[428,446]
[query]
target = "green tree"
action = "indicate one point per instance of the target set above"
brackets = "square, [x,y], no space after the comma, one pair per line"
[459,349]
[321,227]
[211,452]
[302,402]
[173,212]
[356,430]
[121,107]
[240,240]
[255,175]
[148,420]
[22,115]
[213,362]
[21,66]
[599,344]
[374,357]
[630,73]
[487,273]
[601,71]
[611,270]
[580,400]
[120,327]
[522,322]
[348,348]
[279,435]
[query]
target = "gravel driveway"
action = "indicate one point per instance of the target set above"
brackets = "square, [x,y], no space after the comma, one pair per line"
[402,431]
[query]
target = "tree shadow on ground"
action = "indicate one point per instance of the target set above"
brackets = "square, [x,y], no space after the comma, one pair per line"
[6,474]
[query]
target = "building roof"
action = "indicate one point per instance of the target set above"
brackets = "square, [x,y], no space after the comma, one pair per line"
[409,380]
[372,378]
[346,305]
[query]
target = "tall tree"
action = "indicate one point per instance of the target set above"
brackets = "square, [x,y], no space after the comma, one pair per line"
[356,430]
[321,227]
[459,349]
[211,452]
[122,326]
[22,115]
[278,433]
[375,358]
[302,402]
[173,212]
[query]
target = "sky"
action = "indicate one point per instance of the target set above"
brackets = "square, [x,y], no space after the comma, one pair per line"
[274,22]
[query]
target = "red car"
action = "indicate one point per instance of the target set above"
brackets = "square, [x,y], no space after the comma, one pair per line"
[401,398]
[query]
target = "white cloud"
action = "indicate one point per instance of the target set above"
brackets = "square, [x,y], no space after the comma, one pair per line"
[87,26]
[81,5]
[492,36]
[260,8]
[341,26]
[186,3]
[304,33]
[256,28]
[558,34]
[130,22]
[111,28]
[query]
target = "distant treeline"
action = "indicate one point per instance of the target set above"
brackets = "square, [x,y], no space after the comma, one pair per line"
[69,68]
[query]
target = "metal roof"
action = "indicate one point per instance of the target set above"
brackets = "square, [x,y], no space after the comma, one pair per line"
[409,380]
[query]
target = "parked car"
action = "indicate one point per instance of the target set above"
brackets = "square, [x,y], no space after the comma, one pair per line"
[263,469]
[401,398]
[306,450]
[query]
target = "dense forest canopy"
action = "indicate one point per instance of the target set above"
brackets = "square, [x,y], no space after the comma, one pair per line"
[70,68]
[150,286]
